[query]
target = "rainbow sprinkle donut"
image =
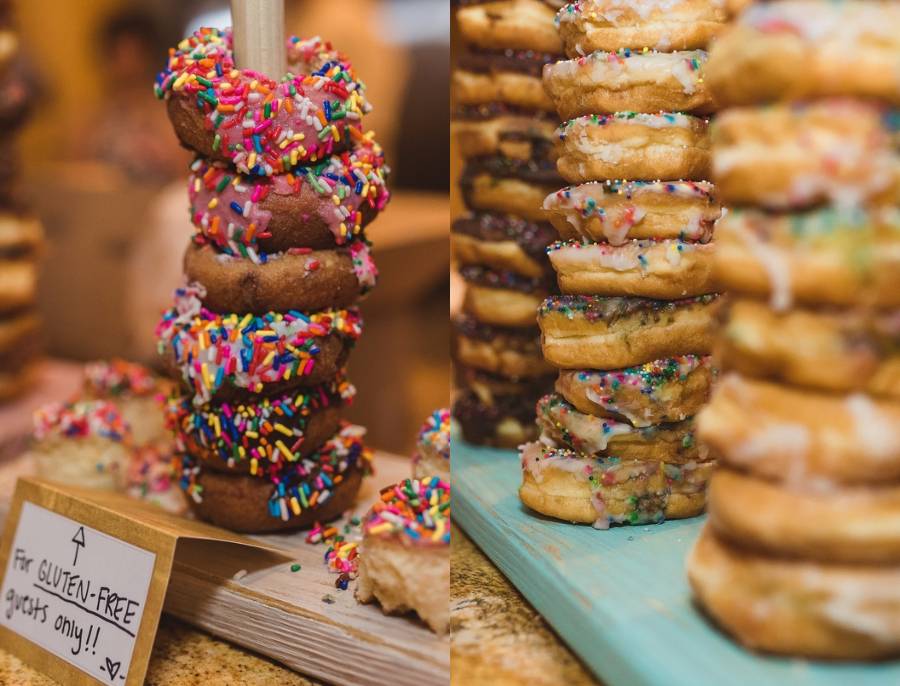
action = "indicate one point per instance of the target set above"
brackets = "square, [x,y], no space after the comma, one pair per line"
[432,456]
[261,126]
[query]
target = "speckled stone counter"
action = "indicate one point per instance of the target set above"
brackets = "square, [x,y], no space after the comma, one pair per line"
[497,638]
[182,656]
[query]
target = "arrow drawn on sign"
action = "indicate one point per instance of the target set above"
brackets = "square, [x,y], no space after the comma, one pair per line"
[78,540]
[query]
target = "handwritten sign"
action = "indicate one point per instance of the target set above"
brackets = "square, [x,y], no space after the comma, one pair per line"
[85,574]
[76,592]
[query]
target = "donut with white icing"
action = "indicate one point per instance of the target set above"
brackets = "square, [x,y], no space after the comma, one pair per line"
[806,49]
[832,611]
[519,24]
[589,25]
[597,332]
[798,155]
[629,81]
[629,145]
[827,256]
[262,125]
[843,524]
[800,437]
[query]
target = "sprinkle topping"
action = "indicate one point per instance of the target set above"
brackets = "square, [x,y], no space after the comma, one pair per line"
[81,419]
[119,377]
[435,433]
[416,511]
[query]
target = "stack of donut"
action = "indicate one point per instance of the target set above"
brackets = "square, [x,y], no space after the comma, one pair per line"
[801,554]
[284,183]
[632,331]
[21,235]
[503,124]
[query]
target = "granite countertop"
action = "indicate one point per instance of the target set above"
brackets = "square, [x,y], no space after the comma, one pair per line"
[182,656]
[497,637]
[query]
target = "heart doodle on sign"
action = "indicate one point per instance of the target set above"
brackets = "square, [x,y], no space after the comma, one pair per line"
[112,668]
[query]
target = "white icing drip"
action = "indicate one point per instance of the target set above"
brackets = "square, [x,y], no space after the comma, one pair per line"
[875,432]
[616,71]
[775,263]
[636,254]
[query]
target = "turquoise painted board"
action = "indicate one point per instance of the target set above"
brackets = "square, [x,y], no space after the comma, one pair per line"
[620,597]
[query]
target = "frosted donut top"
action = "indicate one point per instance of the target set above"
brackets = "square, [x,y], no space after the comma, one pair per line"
[81,419]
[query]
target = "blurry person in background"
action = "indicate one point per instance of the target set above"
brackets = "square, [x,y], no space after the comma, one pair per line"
[129,130]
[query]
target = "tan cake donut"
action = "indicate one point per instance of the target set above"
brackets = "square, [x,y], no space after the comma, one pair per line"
[502,298]
[626,145]
[589,25]
[562,484]
[616,211]
[800,437]
[666,269]
[300,280]
[493,129]
[805,49]
[629,81]
[512,352]
[784,156]
[598,436]
[519,24]
[852,525]
[512,77]
[662,391]
[502,242]
[821,257]
[510,196]
[594,332]
[797,608]
[839,350]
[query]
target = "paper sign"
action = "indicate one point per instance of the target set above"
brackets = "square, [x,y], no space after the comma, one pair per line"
[76,592]
[85,574]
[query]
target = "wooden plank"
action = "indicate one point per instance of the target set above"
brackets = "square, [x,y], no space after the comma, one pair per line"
[620,597]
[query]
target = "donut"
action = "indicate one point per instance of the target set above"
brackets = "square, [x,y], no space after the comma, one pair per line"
[835,151]
[496,411]
[404,560]
[318,488]
[594,436]
[658,392]
[596,332]
[137,393]
[565,485]
[617,211]
[502,242]
[668,268]
[807,49]
[799,437]
[589,25]
[21,239]
[518,24]
[149,478]
[319,207]
[832,350]
[218,354]
[627,145]
[299,279]
[512,77]
[432,457]
[486,193]
[502,298]
[498,129]
[85,443]
[850,524]
[825,256]
[510,352]
[829,611]
[259,435]
[20,340]
[629,81]
[261,126]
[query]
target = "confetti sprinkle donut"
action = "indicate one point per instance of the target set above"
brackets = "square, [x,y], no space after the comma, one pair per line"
[318,206]
[220,355]
[317,488]
[596,332]
[404,561]
[432,456]
[260,125]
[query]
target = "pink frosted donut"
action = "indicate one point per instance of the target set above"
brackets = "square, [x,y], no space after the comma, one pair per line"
[260,125]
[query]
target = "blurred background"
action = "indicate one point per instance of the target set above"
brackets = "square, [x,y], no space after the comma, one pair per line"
[102,169]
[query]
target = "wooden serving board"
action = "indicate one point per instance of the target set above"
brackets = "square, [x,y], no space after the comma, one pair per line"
[619,598]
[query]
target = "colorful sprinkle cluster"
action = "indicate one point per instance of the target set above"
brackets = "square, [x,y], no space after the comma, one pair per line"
[151,470]
[418,511]
[435,433]
[342,555]
[119,377]
[266,127]
[246,351]
[646,377]
[230,212]
[265,431]
[81,419]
